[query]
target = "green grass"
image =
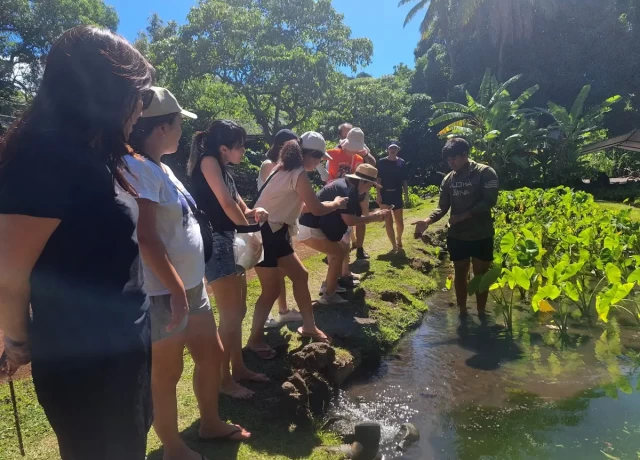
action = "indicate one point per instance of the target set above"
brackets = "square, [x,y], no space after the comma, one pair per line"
[392,293]
[635,212]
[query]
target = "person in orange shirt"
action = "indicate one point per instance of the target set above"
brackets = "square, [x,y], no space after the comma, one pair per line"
[346,158]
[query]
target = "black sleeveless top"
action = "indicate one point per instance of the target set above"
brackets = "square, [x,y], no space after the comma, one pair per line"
[207,201]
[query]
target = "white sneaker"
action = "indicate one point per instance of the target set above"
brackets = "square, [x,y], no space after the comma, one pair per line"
[271,323]
[293,316]
[339,289]
[332,299]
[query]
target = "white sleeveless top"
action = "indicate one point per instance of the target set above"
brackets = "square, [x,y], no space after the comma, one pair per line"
[280,199]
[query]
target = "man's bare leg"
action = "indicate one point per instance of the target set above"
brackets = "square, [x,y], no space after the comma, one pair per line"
[480,267]
[461,281]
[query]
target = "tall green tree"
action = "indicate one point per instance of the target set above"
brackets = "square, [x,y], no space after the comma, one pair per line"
[378,106]
[28,28]
[283,56]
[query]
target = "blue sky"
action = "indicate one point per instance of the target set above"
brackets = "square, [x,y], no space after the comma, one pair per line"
[379,20]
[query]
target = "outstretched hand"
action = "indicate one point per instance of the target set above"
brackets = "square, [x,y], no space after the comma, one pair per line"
[342,202]
[421,227]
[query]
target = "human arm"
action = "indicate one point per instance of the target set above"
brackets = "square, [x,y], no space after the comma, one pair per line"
[312,203]
[23,240]
[213,174]
[379,193]
[368,158]
[378,216]
[444,204]
[488,197]
[155,256]
[260,215]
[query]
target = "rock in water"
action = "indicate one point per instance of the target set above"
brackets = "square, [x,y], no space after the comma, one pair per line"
[407,435]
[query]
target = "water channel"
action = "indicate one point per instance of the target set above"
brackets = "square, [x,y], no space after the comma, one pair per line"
[474,393]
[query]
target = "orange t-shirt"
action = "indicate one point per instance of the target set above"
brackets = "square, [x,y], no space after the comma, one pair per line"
[342,163]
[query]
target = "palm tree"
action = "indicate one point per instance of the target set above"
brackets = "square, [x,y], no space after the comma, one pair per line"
[494,123]
[508,20]
[436,19]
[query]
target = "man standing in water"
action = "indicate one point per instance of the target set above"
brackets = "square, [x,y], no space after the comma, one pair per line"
[392,175]
[470,191]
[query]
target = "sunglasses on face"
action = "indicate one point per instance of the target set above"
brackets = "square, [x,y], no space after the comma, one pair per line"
[146,96]
[317,154]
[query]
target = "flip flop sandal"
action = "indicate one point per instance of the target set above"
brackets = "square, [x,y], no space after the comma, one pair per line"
[314,337]
[226,437]
[266,354]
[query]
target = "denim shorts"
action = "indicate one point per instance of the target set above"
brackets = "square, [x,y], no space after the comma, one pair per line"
[160,309]
[223,260]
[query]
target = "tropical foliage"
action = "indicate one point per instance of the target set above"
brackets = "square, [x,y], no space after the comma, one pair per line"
[564,256]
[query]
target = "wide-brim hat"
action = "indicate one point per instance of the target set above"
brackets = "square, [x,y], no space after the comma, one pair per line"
[354,141]
[164,103]
[367,173]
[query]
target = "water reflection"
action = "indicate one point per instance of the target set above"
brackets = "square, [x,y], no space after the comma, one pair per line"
[475,392]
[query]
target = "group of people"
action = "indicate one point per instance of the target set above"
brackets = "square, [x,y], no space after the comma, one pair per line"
[105,256]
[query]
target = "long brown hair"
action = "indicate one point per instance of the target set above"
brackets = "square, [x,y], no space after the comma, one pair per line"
[92,82]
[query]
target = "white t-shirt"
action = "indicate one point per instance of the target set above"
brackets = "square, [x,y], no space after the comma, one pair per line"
[281,200]
[176,225]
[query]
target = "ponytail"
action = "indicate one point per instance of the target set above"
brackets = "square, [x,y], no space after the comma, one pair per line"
[221,132]
[290,156]
[196,152]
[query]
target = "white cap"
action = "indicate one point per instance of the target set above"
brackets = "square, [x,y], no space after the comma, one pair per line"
[164,103]
[314,141]
[354,141]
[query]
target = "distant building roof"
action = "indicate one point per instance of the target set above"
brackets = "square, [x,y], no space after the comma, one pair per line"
[629,141]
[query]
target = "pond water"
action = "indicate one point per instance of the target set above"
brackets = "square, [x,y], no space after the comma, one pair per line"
[475,393]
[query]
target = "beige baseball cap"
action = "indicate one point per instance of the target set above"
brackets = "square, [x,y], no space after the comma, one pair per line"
[315,141]
[164,103]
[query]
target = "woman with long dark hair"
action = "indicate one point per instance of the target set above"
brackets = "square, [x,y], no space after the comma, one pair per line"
[287,192]
[69,248]
[216,194]
[173,263]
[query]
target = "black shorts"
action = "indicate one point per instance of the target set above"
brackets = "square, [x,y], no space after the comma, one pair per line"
[464,250]
[276,245]
[392,198]
[99,408]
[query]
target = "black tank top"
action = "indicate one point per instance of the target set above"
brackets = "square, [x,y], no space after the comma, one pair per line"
[207,201]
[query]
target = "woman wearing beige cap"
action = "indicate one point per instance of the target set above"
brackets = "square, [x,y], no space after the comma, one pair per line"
[286,191]
[330,234]
[173,263]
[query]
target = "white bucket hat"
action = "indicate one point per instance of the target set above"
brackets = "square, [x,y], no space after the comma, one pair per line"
[164,103]
[354,141]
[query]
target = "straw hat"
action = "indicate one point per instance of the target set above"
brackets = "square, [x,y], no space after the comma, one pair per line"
[367,173]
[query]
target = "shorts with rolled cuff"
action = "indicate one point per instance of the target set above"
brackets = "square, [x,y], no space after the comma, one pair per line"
[307,233]
[392,198]
[276,245]
[160,310]
[460,250]
[223,260]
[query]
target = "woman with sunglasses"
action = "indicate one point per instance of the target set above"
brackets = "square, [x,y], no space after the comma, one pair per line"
[69,248]
[288,189]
